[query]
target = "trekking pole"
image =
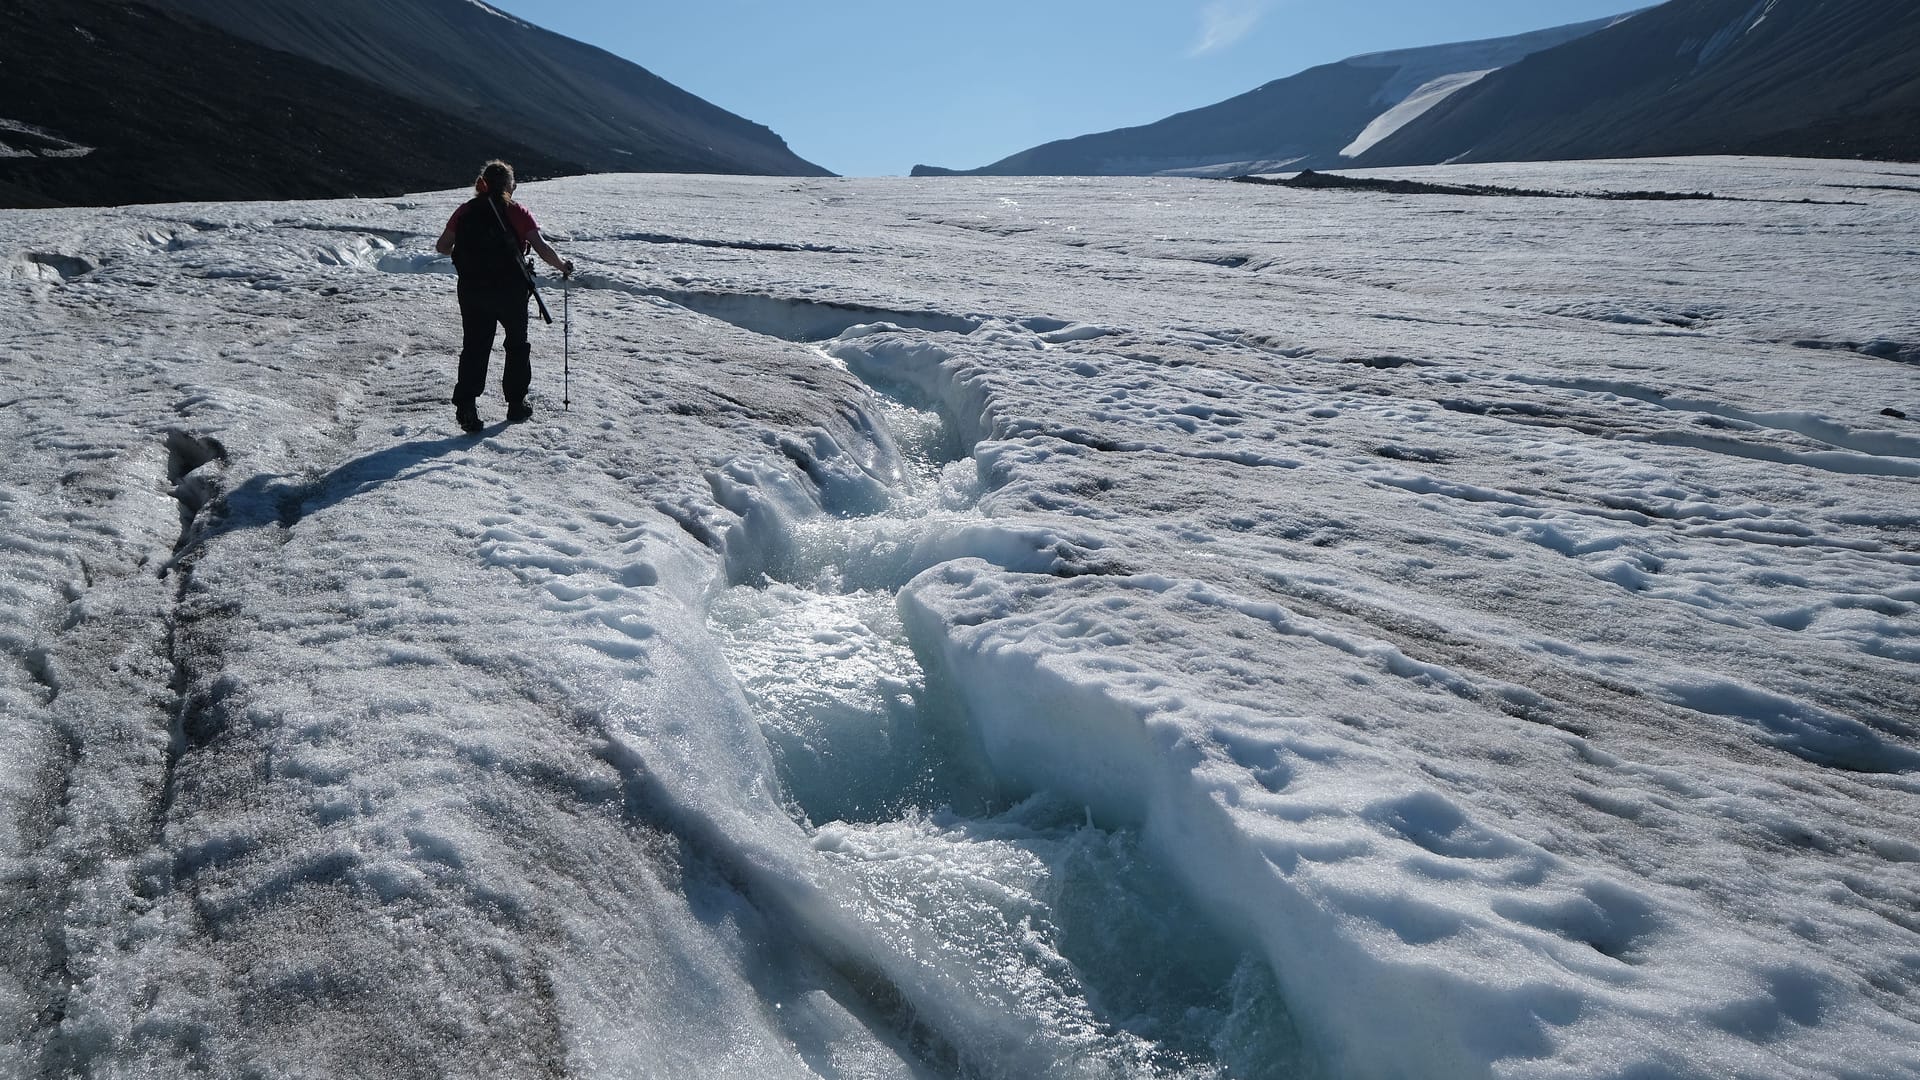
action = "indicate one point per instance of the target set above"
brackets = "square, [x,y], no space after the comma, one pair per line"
[566,348]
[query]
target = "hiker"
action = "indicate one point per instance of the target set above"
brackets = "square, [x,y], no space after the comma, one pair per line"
[494,285]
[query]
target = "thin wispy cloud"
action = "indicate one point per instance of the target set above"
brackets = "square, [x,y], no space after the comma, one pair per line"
[1224,22]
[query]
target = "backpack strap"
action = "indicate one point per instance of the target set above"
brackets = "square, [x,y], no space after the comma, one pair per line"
[513,242]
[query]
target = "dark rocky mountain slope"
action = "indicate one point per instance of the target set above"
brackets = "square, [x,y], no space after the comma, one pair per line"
[1302,121]
[1816,78]
[107,102]
[117,101]
[562,97]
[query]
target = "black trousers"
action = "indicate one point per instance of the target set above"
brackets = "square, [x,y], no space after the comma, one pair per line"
[481,310]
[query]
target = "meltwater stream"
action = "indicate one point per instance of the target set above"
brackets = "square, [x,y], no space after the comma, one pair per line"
[1069,930]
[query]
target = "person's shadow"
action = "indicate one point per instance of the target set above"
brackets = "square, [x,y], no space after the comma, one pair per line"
[268,499]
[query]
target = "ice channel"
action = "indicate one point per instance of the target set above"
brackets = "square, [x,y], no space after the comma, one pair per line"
[1105,967]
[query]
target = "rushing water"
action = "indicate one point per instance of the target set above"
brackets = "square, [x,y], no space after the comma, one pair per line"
[1068,927]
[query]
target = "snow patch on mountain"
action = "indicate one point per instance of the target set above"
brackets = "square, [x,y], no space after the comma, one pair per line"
[1717,45]
[1412,108]
[1420,66]
[1425,77]
[1234,168]
[1771,4]
[34,141]
[494,11]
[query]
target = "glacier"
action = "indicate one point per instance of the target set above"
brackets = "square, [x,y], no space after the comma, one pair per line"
[998,627]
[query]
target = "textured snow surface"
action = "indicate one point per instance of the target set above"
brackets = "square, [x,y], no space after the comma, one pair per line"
[980,627]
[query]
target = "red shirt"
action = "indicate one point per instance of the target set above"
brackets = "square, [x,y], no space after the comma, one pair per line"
[517,216]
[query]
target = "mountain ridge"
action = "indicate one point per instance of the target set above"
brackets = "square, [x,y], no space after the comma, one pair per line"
[1804,78]
[97,107]
[98,111]
[563,97]
[1303,120]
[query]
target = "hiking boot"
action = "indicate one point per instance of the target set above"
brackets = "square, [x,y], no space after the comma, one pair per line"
[518,411]
[466,416]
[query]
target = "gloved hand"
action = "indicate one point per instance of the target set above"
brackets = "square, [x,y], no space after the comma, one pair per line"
[566,268]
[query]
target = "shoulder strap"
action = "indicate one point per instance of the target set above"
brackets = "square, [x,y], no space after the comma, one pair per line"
[513,241]
[500,219]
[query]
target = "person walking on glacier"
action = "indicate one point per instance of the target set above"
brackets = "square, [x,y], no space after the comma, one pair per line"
[489,237]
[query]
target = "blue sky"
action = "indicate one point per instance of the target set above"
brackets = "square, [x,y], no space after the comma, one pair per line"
[873,87]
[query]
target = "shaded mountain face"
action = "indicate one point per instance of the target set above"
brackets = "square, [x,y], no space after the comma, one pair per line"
[1303,121]
[116,101]
[107,102]
[1817,78]
[564,98]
